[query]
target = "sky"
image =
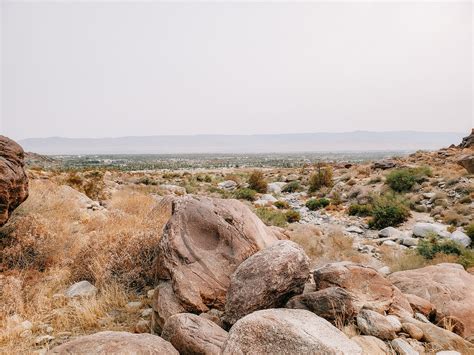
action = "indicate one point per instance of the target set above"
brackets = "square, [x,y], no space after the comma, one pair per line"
[110,69]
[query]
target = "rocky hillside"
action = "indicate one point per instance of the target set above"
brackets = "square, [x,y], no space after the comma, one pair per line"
[370,258]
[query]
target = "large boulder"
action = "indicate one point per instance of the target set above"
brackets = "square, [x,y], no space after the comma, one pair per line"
[467,162]
[267,279]
[287,331]
[13,179]
[334,304]
[448,286]
[104,343]
[164,305]
[202,244]
[192,334]
[369,289]
[377,325]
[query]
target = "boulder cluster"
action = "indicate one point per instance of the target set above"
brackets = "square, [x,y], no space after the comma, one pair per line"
[231,285]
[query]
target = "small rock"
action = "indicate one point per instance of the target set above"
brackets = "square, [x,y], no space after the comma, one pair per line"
[390,243]
[150,293]
[26,325]
[395,322]
[142,326]
[413,331]
[389,232]
[26,333]
[228,185]
[133,306]
[410,242]
[385,270]
[43,339]
[49,329]
[354,229]
[421,318]
[174,189]
[402,347]
[147,312]
[81,289]
[461,238]
[377,325]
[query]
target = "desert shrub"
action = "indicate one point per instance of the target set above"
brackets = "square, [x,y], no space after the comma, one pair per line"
[292,216]
[403,180]
[146,180]
[271,217]
[336,198]
[317,203]
[323,177]
[470,232]
[245,194]
[292,186]
[233,177]
[388,210]
[359,210]
[257,181]
[433,246]
[281,205]
[91,183]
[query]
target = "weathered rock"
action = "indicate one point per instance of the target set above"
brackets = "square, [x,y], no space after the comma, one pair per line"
[467,162]
[439,337]
[332,303]
[461,238]
[371,345]
[384,164]
[81,289]
[448,286]
[267,279]
[402,347]
[368,287]
[265,200]
[275,187]
[13,179]
[287,331]
[412,330]
[468,142]
[174,189]
[203,242]
[192,334]
[228,185]
[116,343]
[423,230]
[164,304]
[376,324]
[390,232]
[421,305]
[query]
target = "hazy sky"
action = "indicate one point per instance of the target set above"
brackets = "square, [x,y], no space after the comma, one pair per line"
[101,69]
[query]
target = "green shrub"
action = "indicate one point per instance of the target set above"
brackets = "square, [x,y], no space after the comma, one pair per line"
[388,211]
[317,203]
[470,232]
[245,194]
[292,216]
[433,246]
[281,205]
[403,180]
[360,210]
[257,182]
[271,217]
[292,187]
[323,177]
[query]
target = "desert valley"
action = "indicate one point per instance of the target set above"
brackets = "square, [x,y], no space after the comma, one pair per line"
[326,257]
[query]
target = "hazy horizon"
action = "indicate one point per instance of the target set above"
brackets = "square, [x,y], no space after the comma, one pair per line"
[108,69]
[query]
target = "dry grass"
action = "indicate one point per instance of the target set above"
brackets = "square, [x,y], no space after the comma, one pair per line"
[53,240]
[331,246]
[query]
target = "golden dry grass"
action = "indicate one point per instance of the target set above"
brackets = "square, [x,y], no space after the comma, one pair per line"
[53,241]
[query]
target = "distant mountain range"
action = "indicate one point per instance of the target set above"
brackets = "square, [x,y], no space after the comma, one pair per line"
[259,143]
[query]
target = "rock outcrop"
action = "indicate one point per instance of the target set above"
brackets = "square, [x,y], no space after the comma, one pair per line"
[192,334]
[13,179]
[369,289]
[468,142]
[287,331]
[267,279]
[447,286]
[203,243]
[467,162]
[116,343]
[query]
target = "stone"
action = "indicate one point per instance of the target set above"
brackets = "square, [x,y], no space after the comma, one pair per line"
[164,304]
[43,339]
[384,164]
[228,185]
[116,343]
[368,287]
[447,286]
[142,326]
[13,178]
[133,306]
[147,312]
[390,243]
[266,279]
[354,229]
[461,238]
[332,303]
[389,232]
[265,200]
[468,141]
[371,345]
[410,242]
[385,270]
[467,162]
[287,331]
[423,230]
[202,244]
[81,289]
[275,187]
[448,352]
[421,305]
[402,347]
[376,324]
[412,330]
[192,334]
[215,316]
